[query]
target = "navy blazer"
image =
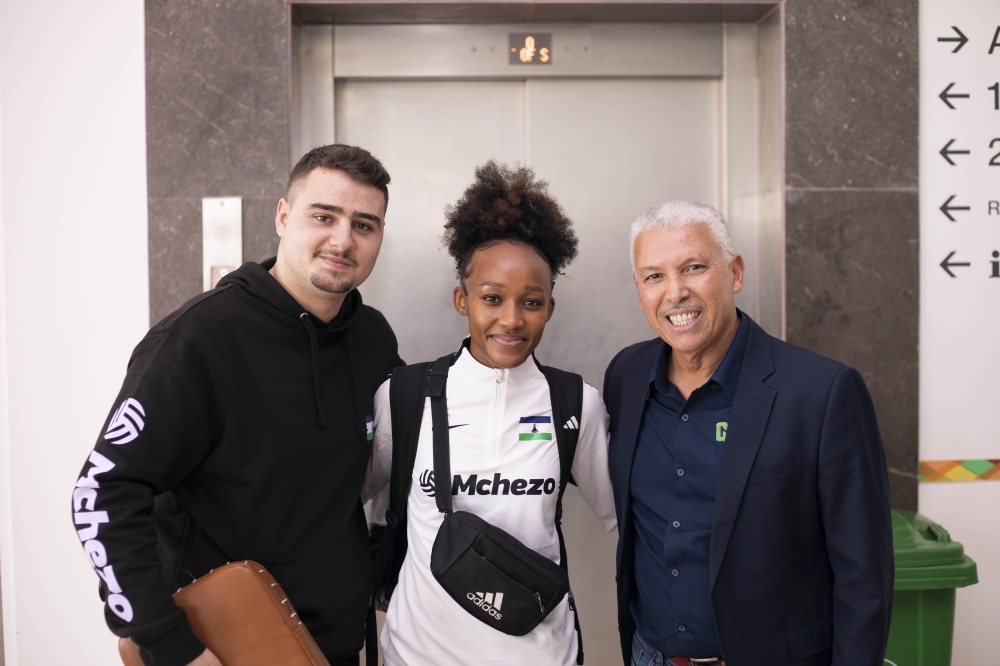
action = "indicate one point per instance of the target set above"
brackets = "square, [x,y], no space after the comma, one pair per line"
[801,563]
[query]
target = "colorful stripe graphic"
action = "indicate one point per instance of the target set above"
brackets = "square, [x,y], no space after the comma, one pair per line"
[534,428]
[932,471]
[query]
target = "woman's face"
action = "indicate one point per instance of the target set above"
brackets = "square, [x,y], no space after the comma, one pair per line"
[508,300]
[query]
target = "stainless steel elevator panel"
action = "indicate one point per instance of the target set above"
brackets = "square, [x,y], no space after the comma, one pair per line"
[610,149]
[430,135]
[628,117]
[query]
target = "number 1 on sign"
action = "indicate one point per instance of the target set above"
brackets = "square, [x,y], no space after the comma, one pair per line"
[996,95]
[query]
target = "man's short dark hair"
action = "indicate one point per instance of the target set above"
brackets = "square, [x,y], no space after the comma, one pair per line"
[357,163]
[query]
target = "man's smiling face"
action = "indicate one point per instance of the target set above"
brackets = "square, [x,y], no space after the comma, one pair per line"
[686,286]
[331,230]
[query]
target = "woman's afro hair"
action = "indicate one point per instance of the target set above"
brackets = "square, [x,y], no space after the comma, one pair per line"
[508,204]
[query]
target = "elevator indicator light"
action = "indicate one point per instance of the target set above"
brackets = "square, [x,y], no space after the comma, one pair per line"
[531,48]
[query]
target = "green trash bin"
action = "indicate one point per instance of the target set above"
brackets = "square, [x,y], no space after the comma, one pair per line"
[929,566]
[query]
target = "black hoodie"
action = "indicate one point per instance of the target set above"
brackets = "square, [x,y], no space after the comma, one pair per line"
[242,431]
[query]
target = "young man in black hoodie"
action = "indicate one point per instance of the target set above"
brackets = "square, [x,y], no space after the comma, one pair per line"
[243,429]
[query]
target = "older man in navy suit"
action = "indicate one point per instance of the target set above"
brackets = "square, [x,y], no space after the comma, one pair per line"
[750,481]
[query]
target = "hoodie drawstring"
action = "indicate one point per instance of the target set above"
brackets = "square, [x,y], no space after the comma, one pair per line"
[314,346]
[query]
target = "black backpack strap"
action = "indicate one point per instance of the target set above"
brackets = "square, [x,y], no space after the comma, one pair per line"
[566,394]
[406,404]
[437,381]
[408,388]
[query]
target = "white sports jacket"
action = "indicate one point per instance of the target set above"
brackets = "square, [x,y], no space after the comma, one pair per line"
[505,467]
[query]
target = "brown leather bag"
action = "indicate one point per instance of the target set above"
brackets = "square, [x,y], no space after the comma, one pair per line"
[241,614]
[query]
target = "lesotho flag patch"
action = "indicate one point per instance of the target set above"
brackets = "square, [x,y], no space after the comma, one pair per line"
[535,427]
[369,428]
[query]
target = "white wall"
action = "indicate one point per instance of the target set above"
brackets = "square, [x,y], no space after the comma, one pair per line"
[959,316]
[73,297]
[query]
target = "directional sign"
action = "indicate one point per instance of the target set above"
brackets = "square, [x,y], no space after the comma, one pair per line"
[946,208]
[946,96]
[947,152]
[961,39]
[948,264]
[959,351]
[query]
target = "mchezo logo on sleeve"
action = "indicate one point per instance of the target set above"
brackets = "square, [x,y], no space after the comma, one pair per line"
[534,428]
[127,422]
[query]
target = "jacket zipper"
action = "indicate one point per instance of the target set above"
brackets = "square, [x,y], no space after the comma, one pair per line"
[496,423]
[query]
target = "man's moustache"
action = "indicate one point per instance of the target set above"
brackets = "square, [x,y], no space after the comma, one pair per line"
[339,257]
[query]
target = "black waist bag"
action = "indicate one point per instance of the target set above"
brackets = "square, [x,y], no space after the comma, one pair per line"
[487,571]
[491,574]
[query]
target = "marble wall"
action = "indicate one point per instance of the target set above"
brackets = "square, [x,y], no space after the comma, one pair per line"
[217,125]
[852,233]
[218,87]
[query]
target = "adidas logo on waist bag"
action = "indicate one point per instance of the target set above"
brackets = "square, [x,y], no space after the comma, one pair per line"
[488,602]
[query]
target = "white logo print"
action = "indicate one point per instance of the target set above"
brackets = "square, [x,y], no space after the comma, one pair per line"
[488,602]
[572,424]
[427,482]
[90,520]
[127,423]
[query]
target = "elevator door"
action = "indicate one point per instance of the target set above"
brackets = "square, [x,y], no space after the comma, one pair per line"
[610,148]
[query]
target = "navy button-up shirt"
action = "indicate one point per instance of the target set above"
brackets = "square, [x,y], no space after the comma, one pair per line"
[675,473]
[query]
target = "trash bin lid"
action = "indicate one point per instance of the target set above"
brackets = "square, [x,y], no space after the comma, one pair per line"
[926,557]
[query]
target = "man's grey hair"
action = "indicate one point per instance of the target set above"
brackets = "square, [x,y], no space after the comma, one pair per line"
[677,214]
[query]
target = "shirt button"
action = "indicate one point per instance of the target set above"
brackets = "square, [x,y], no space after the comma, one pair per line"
[680,472]
[684,417]
[682,628]
[676,524]
[675,572]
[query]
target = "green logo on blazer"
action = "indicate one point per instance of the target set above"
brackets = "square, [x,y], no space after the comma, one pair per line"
[721,428]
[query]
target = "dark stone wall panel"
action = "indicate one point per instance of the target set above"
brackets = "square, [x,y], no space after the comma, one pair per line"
[217,124]
[217,97]
[260,240]
[174,254]
[852,76]
[852,295]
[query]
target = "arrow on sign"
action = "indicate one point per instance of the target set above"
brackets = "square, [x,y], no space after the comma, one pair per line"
[947,266]
[961,39]
[945,152]
[945,95]
[946,209]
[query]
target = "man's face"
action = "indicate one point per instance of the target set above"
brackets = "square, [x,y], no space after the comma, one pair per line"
[686,287]
[331,229]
